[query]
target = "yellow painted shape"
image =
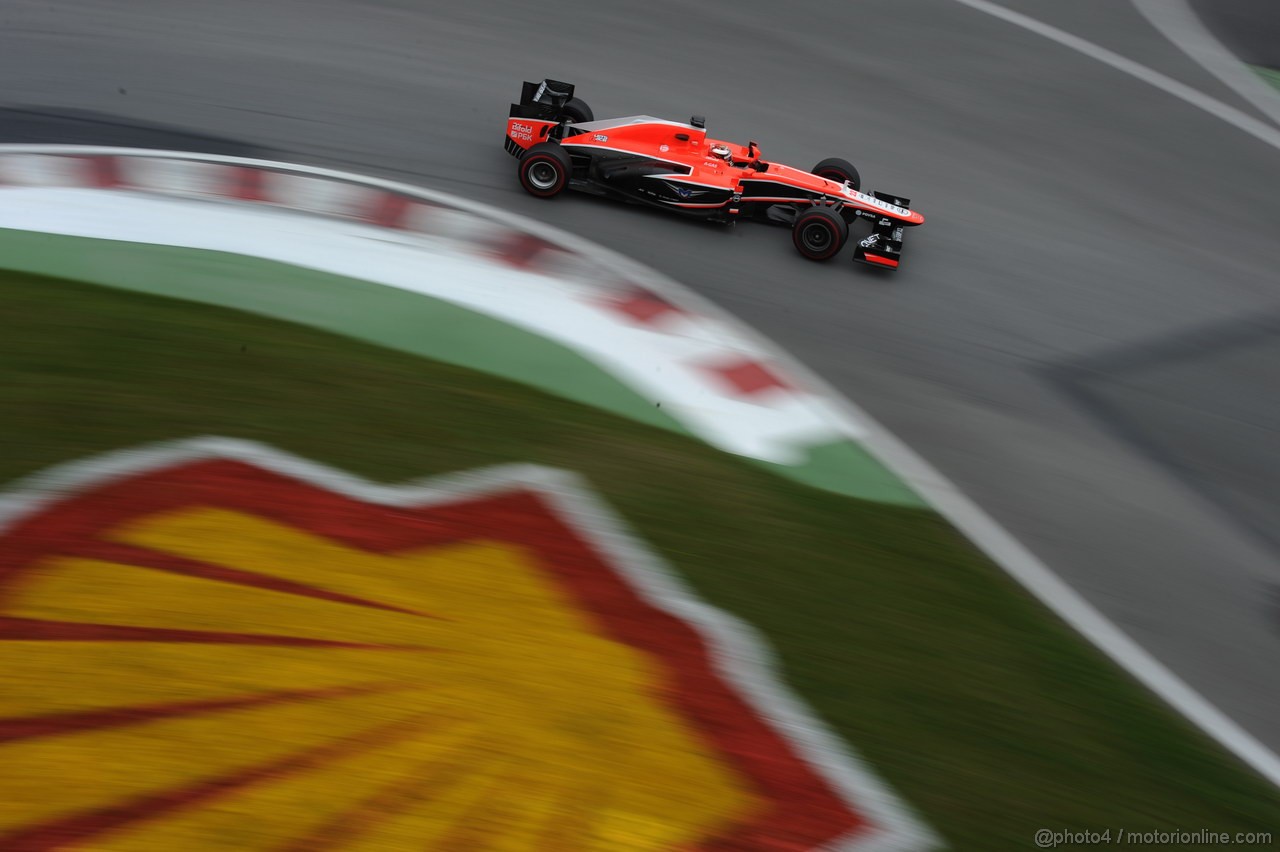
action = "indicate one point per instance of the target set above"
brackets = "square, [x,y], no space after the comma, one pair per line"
[425,826]
[265,547]
[144,597]
[524,818]
[277,814]
[556,703]
[61,677]
[48,777]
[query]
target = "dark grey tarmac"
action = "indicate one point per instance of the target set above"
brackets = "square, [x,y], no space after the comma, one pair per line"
[1085,335]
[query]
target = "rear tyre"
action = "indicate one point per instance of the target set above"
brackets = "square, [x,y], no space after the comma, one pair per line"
[819,234]
[838,170]
[576,111]
[544,170]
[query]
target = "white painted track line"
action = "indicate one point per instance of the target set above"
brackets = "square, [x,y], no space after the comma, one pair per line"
[1258,129]
[1178,22]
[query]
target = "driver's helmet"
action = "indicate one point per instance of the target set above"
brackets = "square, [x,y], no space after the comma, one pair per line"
[722,151]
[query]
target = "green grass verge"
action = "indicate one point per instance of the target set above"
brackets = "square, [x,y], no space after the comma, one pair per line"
[981,710]
[1271,75]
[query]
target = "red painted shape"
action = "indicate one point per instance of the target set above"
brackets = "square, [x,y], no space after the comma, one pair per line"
[53,724]
[125,554]
[800,809]
[643,306]
[748,378]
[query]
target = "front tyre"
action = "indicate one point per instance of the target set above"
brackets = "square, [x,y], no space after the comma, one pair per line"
[544,170]
[838,170]
[819,233]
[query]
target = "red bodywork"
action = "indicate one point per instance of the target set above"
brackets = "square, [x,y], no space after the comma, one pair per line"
[728,184]
[675,166]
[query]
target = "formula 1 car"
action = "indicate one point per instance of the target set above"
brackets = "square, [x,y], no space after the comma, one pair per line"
[675,166]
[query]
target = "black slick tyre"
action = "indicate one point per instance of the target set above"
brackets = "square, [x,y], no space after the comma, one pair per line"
[819,233]
[544,170]
[576,111]
[838,170]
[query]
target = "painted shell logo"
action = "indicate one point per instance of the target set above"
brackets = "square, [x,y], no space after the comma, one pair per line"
[217,646]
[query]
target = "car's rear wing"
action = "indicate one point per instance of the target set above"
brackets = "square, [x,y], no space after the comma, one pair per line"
[542,101]
[538,113]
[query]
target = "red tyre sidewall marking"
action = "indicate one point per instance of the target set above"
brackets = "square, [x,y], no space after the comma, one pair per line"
[835,239]
[528,162]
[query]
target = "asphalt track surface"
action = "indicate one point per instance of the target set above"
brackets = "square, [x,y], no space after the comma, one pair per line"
[1250,28]
[1085,335]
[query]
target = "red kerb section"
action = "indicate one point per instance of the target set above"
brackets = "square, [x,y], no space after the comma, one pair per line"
[246,184]
[523,250]
[103,172]
[747,377]
[388,210]
[643,307]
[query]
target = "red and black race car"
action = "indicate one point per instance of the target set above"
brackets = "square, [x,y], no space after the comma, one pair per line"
[674,165]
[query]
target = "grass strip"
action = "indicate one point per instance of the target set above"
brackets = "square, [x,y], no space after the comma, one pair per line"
[406,321]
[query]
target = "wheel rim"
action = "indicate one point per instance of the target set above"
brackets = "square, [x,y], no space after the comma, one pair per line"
[543,175]
[816,237]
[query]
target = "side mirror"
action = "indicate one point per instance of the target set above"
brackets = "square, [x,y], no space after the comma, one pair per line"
[753,150]
[698,121]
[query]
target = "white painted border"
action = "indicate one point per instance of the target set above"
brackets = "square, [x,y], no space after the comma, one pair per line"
[945,497]
[740,654]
